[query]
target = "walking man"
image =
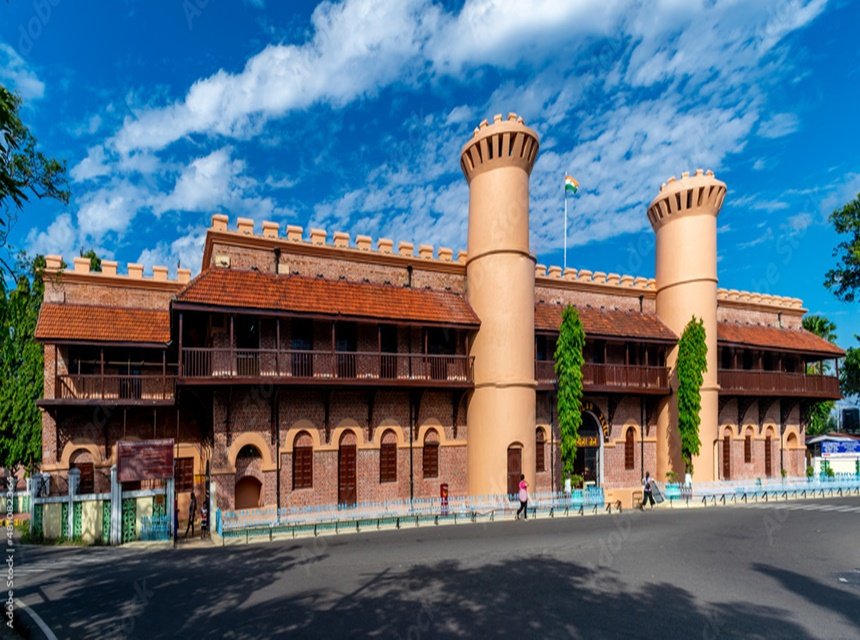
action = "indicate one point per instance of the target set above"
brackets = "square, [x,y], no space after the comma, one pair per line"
[192,513]
[647,491]
[524,498]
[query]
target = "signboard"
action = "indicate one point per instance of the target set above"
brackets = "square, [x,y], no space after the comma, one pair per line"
[587,441]
[840,449]
[144,460]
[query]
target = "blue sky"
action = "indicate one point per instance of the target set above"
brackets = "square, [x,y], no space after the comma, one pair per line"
[350,115]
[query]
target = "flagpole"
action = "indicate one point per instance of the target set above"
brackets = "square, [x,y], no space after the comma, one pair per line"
[565,231]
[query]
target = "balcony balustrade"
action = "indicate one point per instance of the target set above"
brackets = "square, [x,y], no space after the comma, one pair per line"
[610,377]
[777,383]
[114,389]
[213,365]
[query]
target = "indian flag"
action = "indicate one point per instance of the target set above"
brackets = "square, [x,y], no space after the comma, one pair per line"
[571,186]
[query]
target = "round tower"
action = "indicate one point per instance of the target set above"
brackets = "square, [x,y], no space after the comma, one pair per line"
[500,287]
[684,218]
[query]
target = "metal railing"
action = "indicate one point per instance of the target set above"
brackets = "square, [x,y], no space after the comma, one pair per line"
[322,366]
[778,382]
[623,376]
[115,387]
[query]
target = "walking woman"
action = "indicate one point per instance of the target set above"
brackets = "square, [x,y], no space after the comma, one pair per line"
[524,498]
[647,491]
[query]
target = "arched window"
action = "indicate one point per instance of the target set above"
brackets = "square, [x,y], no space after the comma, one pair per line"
[768,454]
[388,457]
[727,454]
[540,450]
[630,449]
[303,461]
[430,456]
[748,447]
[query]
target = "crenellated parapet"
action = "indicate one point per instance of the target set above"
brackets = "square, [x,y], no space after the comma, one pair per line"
[696,194]
[751,298]
[338,240]
[110,272]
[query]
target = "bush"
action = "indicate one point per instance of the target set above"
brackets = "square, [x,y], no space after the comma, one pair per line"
[810,471]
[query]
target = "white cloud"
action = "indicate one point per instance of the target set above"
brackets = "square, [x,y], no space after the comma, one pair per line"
[779,125]
[17,75]
[110,209]
[93,166]
[186,251]
[357,46]
[60,237]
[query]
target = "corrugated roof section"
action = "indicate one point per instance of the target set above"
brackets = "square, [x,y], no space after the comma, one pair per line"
[300,294]
[83,323]
[606,322]
[776,338]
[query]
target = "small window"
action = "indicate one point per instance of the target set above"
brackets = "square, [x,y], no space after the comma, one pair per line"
[748,448]
[630,449]
[540,453]
[183,475]
[388,458]
[431,456]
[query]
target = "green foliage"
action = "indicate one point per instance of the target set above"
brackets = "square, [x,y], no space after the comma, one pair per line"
[820,326]
[691,366]
[844,280]
[95,261]
[21,370]
[820,418]
[810,471]
[24,171]
[849,375]
[829,473]
[569,359]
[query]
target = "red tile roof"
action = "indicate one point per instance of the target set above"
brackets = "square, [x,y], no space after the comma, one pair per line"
[299,294]
[606,322]
[776,338]
[82,323]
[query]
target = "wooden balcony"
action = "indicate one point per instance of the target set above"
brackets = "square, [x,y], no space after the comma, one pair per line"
[743,382]
[610,378]
[333,368]
[94,389]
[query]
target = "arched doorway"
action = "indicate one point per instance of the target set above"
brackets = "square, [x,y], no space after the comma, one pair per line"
[587,461]
[515,468]
[248,493]
[346,475]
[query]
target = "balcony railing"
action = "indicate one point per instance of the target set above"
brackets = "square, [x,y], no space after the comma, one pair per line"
[320,367]
[777,383]
[611,377]
[118,389]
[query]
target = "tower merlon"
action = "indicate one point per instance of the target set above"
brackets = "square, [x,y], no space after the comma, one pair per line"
[503,143]
[696,194]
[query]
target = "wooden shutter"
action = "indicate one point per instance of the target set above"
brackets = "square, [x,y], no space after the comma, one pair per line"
[303,467]
[629,450]
[388,462]
[431,459]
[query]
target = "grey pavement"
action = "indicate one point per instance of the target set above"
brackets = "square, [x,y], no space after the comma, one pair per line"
[766,570]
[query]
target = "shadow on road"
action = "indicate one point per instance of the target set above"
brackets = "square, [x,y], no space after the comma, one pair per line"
[268,591]
[840,602]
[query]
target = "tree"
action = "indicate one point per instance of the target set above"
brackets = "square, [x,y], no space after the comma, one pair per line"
[568,370]
[844,280]
[819,418]
[95,261]
[691,366]
[849,376]
[24,171]
[21,370]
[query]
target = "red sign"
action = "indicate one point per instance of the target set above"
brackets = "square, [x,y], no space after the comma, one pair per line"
[144,460]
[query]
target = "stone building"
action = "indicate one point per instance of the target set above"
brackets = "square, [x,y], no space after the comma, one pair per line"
[301,368]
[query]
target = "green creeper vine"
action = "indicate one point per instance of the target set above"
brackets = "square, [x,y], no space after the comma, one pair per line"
[568,369]
[691,366]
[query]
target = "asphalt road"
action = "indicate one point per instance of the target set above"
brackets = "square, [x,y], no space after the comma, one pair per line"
[784,570]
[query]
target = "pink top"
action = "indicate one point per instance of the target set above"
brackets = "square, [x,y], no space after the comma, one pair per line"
[523,485]
[524,494]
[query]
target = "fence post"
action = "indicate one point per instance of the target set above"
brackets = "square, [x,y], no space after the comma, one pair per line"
[116,508]
[74,479]
[168,509]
